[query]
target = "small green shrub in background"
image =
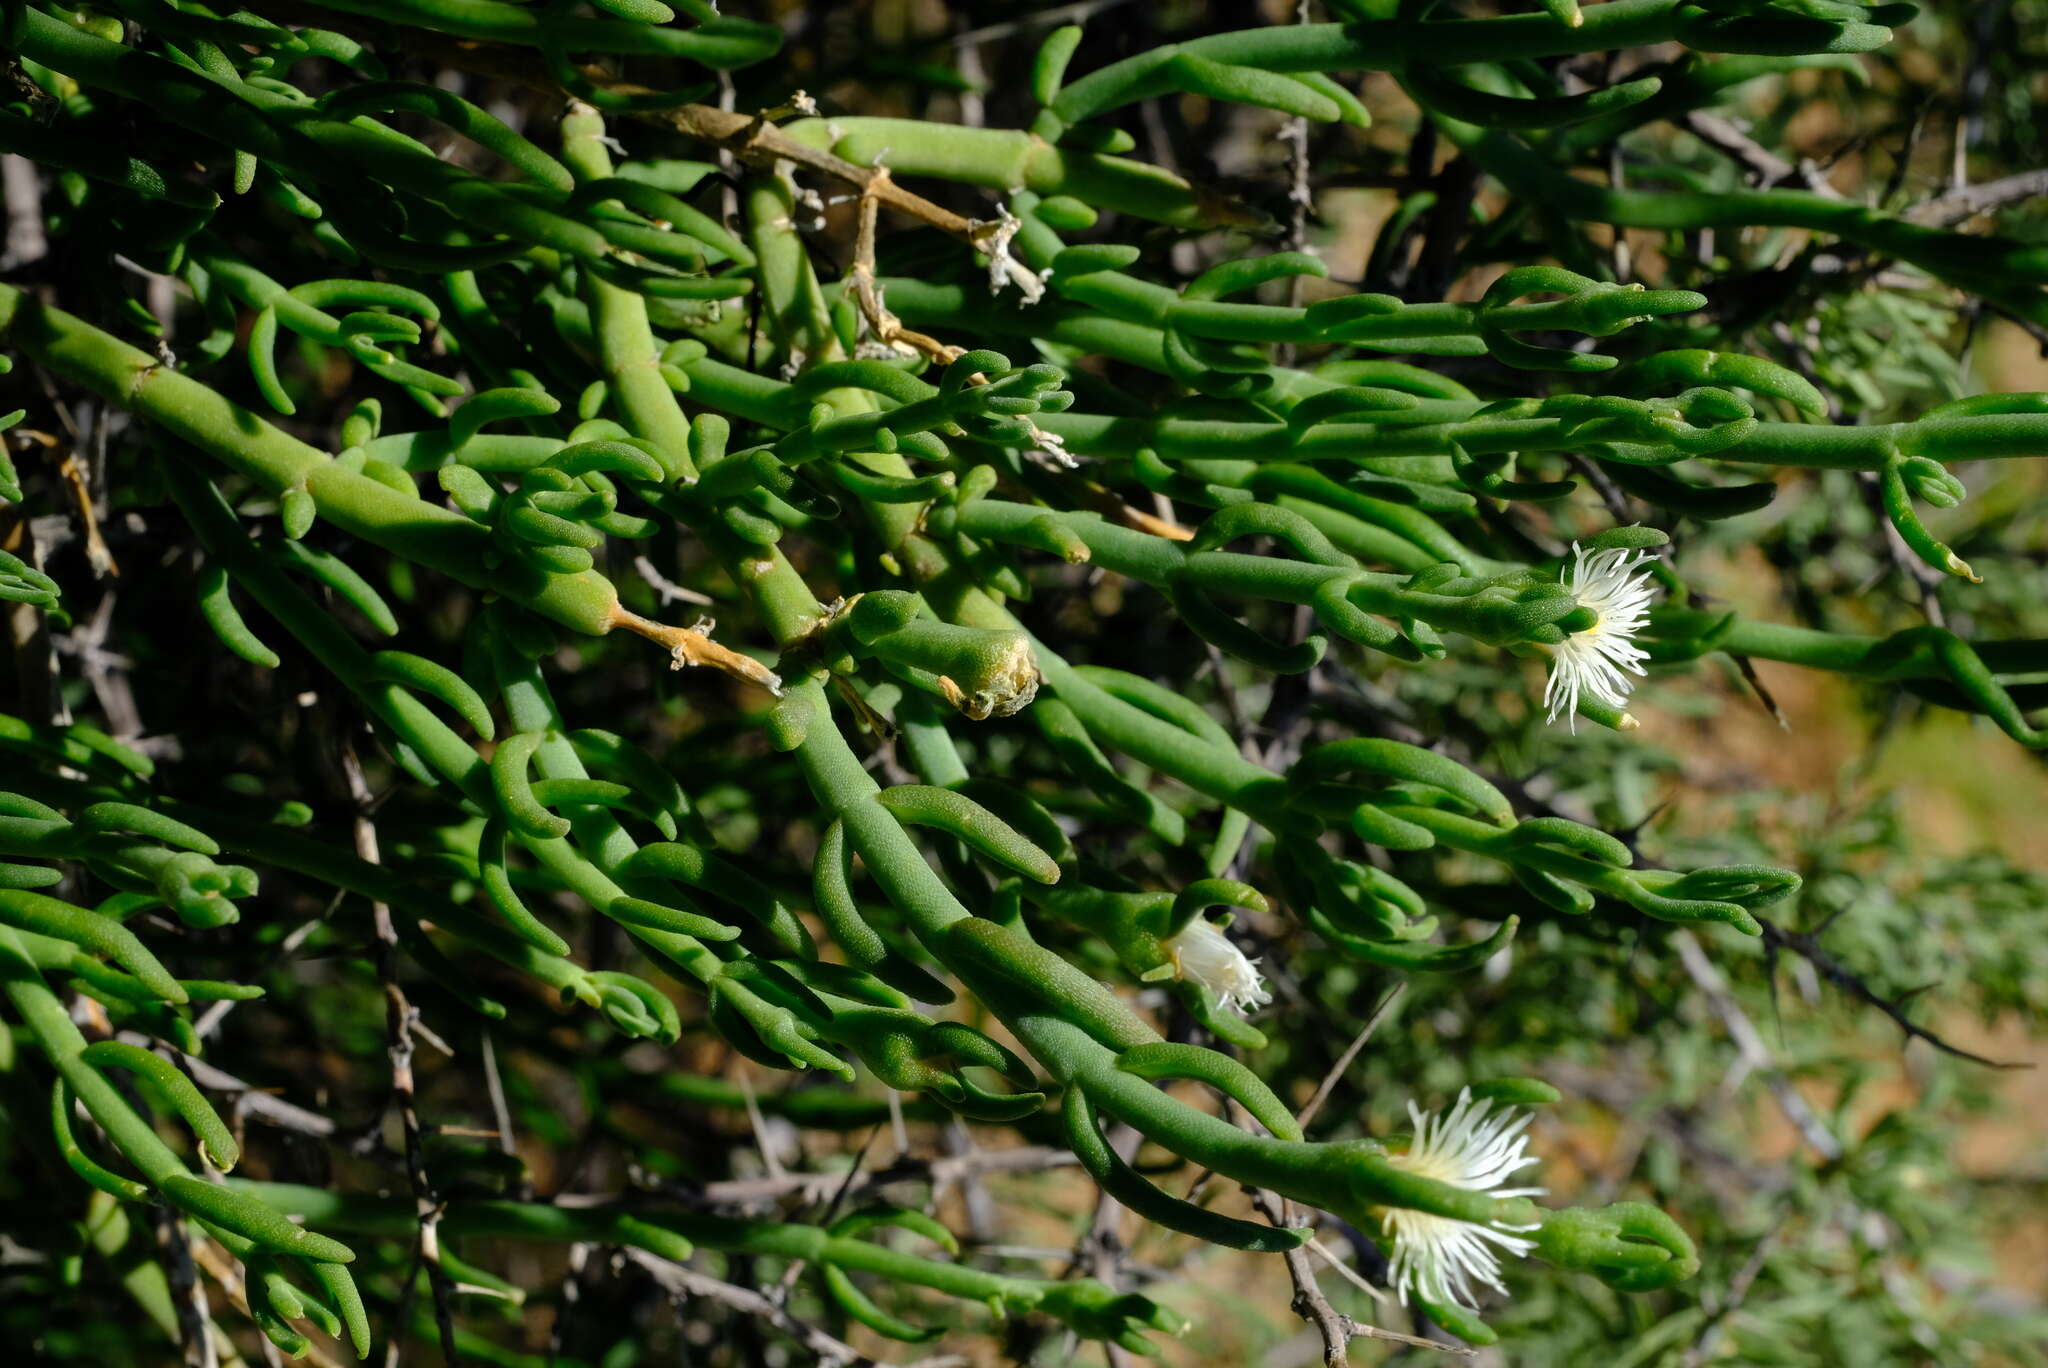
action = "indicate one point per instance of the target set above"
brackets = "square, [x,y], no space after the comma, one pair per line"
[721,669]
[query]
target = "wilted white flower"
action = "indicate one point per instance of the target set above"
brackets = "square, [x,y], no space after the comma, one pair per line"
[993,237]
[1472,1146]
[1203,954]
[1592,661]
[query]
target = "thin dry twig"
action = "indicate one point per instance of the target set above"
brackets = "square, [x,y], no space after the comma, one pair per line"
[1971,200]
[222,1268]
[668,589]
[210,1020]
[688,1282]
[97,555]
[1702,1349]
[1765,167]
[401,1024]
[501,1111]
[1749,1043]
[1322,1092]
[188,1294]
[1365,1032]
[249,1100]
[1334,1328]
[1102,1249]
[942,1173]
[885,327]
[762,1141]
[763,145]
[694,646]
[1807,946]
[1350,1274]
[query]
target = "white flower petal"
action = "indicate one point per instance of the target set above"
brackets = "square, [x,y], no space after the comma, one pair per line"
[1203,954]
[1440,1258]
[1591,663]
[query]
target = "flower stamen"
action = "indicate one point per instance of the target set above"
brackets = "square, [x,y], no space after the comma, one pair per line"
[1202,954]
[1592,662]
[1441,1259]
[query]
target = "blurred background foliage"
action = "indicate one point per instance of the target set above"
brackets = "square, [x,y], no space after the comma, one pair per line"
[1829,1111]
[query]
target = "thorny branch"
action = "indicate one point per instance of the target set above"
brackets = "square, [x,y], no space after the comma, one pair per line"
[1807,946]
[188,1295]
[756,141]
[1335,1329]
[943,1173]
[834,1353]
[1749,1042]
[401,1022]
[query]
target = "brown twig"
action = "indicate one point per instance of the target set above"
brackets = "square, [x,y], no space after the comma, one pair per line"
[1762,691]
[1088,494]
[1807,946]
[249,1099]
[96,553]
[1765,167]
[885,327]
[693,646]
[1309,1302]
[688,1282]
[1334,1328]
[188,1296]
[401,1023]
[760,144]
[942,1173]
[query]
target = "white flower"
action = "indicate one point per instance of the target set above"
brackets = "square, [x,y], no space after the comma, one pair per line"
[1592,661]
[1439,1258]
[1203,954]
